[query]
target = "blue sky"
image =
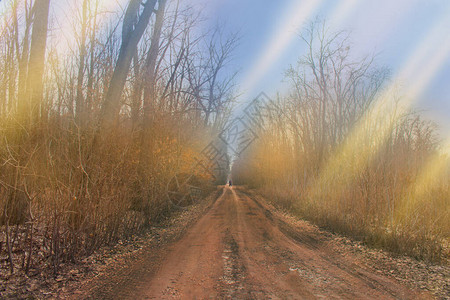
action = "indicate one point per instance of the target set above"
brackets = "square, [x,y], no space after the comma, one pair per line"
[391,29]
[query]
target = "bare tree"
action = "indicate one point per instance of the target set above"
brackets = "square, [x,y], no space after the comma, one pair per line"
[150,67]
[37,58]
[134,24]
[332,89]
[211,86]
[79,102]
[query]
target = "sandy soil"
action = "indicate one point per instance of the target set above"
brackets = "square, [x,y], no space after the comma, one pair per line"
[241,249]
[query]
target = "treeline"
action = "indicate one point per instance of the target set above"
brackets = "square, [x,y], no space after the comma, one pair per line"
[90,138]
[342,151]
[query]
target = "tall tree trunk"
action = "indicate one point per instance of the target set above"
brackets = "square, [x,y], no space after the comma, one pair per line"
[22,58]
[150,64]
[136,97]
[150,89]
[37,57]
[79,100]
[132,31]
[90,79]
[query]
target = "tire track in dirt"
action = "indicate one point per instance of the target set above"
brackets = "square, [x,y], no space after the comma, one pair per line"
[234,272]
[321,272]
[194,265]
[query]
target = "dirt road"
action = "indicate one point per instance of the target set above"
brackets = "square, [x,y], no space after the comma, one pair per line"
[240,250]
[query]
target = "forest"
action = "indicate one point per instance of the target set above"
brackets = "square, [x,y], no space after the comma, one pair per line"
[90,137]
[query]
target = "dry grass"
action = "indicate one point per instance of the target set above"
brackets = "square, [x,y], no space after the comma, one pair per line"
[389,207]
[62,199]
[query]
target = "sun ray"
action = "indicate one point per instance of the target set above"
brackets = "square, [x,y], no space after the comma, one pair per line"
[362,144]
[433,170]
[416,197]
[299,13]
[342,11]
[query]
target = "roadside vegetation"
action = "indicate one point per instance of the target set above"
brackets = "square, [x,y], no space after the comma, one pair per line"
[92,133]
[344,150]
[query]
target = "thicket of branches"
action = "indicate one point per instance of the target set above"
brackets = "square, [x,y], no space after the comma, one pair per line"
[340,151]
[90,138]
